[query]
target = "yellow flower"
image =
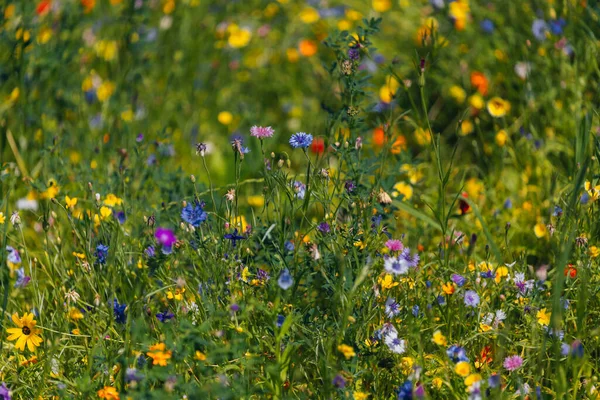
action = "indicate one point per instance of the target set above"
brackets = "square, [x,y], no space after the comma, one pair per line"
[245,274]
[159,355]
[2,218]
[44,36]
[169,6]
[543,317]
[26,333]
[238,37]
[476,101]
[437,382]
[387,282]
[70,202]
[108,393]
[423,136]
[501,138]
[484,328]
[403,189]
[407,365]
[439,338]
[105,212]
[382,5]
[387,91]
[540,230]
[466,127]
[458,94]
[309,15]
[112,200]
[178,295]
[105,90]
[360,395]
[256,201]
[225,117]
[127,115]
[593,192]
[498,107]
[75,314]
[471,379]
[462,368]
[346,350]
[501,272]
[594,252]
[200,356]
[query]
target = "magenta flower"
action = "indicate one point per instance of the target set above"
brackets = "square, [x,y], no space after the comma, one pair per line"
[261,132]
[512,363]
[394,245]
[166,238]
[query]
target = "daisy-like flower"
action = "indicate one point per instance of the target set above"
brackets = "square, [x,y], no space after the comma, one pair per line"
[394,343]
[301,140]
[262,132]
[498,107]
[26,333]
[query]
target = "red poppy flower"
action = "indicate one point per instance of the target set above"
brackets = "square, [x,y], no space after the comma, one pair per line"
[317,146]
[43,7]
[463,205]
[571,271]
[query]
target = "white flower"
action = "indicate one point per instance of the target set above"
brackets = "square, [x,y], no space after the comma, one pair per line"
[395,265]
[15,219]
[395,344]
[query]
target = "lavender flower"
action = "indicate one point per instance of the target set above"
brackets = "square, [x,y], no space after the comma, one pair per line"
[391,308]
[164,316]
[471,298]
[101,253]
[512,363]
[166,238]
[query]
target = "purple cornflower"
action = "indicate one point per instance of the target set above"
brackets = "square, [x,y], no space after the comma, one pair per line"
[411,260]
[539,29]
[101,253]
[139,138]
[4,392]
[471,298]
[301,140]
[339,381]
[150,251]
[324,227]
[458,279]
[22,279]
[391,308]
[395,265]
[394,245]
[119,311]
[262,132]
[164,316]
[512,363]
[353,53]
[194,214]
[262,275]
[349,186]
[234,237]
[285,280]
[166,238]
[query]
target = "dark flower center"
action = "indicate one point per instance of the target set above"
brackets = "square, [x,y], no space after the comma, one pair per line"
[26,330]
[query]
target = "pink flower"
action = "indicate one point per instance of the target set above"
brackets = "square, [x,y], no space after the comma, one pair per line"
[512,363]
[262,132]
[394,245]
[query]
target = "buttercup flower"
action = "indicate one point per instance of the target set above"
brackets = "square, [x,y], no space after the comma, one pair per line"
[26,334]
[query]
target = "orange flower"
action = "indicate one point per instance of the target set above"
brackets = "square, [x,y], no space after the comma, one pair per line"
[571,271]
[108,393]
[484,358]
[88,5]
[448,288]
[479,81]
[308,48]
[399,145]
[378,136]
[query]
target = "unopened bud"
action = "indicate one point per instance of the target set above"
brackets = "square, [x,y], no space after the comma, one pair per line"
[193,178]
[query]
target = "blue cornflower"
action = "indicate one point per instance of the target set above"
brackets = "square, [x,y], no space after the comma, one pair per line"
[121,217]
[471,298]
[119,311]
[508,203]
[405,391]
[324,227]
[285,280]
[164,316]
[289,246]
[539,29]
[415,310]
[487,26]
[556,26]
[194,214]
[280,320]
[101,253]
[557,211]
[457,354]
[301,140]
[234,237]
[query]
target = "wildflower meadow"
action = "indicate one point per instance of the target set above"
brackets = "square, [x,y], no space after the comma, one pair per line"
[282,199]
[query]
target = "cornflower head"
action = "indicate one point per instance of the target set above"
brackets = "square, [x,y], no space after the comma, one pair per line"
[262,132]
[301,140]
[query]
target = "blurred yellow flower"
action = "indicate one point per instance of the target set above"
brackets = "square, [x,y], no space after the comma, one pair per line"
[462,368]
[382,5]
[422,136]
[44,35]
[238,37]
[498,107]
[111,200]
[501,272]
[178,295]
[307,48]
[105,90]
[387,91]
[360,395]
[404,189]
[501,138]
[200,356]
[159,355]
[466,127]
[471,379]
[309,15]
[594,251]
[75,314]
[439,338]
[127,115]
[387,282]
[169,6]
[476,101]
[458,94]
[70,202]
[347,351]
[256,201]
[593,191]
[540,230]
[2,218]
[225,117]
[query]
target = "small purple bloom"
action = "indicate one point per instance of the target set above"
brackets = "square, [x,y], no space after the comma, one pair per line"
[339,381]
[280,320]
[512,363]
[324,227]
[101,253]
[471,298]
[285,280]
[391,308]
[150,251]
[164,316]
[22,279]
[234,237]
[353,53]
[4,392]
[458,279]
[119,311]
[166,238]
